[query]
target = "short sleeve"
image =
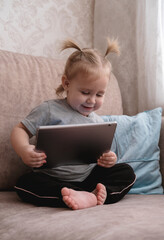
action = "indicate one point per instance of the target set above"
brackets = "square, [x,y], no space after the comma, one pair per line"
[37,117]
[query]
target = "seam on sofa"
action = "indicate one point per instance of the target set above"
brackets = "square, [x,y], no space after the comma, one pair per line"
[124,188]
[35,194]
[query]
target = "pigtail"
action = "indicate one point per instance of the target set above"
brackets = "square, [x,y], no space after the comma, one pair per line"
[113,46]
[65,45]
[70,44]
[59,90]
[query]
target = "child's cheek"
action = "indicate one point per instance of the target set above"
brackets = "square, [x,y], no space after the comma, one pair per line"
[100,102]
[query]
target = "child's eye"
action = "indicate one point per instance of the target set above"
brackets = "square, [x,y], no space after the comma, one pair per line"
[100,95]
[85,93]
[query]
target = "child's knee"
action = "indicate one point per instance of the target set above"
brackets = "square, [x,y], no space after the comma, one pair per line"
[130,174]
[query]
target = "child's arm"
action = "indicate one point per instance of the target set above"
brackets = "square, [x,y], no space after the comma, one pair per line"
[107,160]
[20,141]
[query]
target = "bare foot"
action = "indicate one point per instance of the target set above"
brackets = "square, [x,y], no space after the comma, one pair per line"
[82,199]
[78,199]
[100,193]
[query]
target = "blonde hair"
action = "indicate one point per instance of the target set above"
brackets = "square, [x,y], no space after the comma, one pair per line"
[86,60]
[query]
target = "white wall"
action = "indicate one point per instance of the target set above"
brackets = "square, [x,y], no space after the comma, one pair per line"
[37,27]
[117,18]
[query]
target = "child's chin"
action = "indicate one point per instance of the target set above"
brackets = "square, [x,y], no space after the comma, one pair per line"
[84,113]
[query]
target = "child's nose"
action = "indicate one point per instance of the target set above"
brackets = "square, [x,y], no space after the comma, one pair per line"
[91,100]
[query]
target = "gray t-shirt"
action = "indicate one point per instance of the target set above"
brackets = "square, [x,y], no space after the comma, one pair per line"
[58,112]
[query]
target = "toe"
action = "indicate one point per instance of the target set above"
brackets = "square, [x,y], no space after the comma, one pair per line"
[65,191]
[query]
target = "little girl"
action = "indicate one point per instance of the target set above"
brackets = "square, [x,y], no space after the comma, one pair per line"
[84,82]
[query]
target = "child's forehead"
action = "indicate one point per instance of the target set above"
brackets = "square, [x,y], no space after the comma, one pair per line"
[94,72]
[95,75]
[89,81]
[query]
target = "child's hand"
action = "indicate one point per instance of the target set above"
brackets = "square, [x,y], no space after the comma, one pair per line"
[33,158]
[107,160]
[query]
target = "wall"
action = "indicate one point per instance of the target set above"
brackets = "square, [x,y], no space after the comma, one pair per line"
[37,27]
[117,19]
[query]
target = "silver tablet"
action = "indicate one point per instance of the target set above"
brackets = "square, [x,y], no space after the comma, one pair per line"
[74,144]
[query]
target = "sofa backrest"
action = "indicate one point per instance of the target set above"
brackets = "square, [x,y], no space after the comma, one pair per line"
[26,81]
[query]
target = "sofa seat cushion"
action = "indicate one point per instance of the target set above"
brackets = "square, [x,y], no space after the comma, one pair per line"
[134,217]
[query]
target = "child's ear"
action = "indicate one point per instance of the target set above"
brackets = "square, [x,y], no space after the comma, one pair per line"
[65,82]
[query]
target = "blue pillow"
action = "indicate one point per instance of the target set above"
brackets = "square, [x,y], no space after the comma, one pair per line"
[136,143]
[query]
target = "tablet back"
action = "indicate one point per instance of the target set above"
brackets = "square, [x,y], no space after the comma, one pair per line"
[74,144]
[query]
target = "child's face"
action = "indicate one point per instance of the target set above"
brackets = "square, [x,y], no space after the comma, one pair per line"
[85,94]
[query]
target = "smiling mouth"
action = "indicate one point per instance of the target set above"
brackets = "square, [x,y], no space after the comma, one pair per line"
[87,108]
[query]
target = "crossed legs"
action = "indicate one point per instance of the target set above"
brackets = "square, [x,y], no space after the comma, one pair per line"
[102,186]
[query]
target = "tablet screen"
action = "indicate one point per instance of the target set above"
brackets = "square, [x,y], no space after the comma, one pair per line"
[74,144]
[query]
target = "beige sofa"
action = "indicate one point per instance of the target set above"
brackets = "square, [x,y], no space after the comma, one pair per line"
[26,81]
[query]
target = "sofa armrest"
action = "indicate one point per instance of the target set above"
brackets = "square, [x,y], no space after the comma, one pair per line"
[161,145]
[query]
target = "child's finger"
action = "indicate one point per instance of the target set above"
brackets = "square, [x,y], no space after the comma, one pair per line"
[38,163]
[38,155]
[108,163]
[36,160]
[109,154]
[104,164]
[107,159]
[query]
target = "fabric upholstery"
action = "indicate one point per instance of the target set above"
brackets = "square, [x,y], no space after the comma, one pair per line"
[136,217]
[136,142]
[161,144]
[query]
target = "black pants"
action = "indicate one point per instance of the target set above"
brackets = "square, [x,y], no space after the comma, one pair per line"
[43,190]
